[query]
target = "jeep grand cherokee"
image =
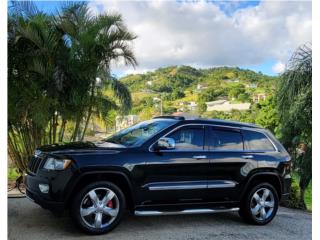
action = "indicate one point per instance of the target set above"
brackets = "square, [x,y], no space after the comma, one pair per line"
[167,165]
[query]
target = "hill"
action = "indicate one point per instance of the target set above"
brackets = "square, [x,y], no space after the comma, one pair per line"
[187,89]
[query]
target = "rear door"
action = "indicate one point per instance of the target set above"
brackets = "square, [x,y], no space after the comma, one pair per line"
[229,163]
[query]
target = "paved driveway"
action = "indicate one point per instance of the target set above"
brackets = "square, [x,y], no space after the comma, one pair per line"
[29,221]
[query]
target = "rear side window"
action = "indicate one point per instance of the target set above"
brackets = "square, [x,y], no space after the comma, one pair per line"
[189,138]
[225,140]
[257,141]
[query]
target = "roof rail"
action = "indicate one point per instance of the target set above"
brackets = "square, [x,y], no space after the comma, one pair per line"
[170,117]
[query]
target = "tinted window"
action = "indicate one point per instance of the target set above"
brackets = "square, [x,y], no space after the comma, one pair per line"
[188,138]
[258,141]
[225,140]
[139,133]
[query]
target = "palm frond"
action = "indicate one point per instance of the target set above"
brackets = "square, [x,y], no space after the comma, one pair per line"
[122,93]
[27,9]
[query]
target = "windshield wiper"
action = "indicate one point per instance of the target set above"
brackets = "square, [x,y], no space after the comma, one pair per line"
[111,141]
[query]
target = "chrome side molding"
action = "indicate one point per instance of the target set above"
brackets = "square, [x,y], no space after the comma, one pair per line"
[186,211]
[221,184]
[190,185]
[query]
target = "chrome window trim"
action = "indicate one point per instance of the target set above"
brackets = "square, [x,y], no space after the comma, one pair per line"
[270,140]
[176,128]
[215,125]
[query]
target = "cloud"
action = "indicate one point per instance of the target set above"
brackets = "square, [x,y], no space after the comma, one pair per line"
[201,34]
[279,67]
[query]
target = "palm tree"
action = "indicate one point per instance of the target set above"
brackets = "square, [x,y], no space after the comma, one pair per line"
[59,71]
[96,42]
[294,99]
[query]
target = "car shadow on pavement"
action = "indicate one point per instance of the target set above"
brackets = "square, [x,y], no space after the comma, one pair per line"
[137,223]
[27,215]
[27,220]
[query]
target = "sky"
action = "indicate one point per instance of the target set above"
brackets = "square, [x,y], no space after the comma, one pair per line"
[256,35]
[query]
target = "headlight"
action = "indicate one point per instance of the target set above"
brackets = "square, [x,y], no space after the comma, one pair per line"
[57,164]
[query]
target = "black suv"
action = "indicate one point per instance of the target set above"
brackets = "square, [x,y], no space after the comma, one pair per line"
[167,165]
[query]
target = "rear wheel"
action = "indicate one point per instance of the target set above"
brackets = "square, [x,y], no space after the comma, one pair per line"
[98,207]
[260,205]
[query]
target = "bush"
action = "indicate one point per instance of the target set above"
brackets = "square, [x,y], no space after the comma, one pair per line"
[293,201]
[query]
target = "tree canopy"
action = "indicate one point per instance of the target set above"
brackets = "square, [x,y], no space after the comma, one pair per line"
[294,102]
[59,69]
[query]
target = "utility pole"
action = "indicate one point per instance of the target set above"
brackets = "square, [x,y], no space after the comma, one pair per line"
[161,104]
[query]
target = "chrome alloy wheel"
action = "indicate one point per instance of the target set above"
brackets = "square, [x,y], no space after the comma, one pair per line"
[99,207]
[262,204]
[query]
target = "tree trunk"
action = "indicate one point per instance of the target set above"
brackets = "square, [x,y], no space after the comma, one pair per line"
[76,128]
[86,123]
[89,110]
[54,127]
[62,128]
[303,184]
[302,202]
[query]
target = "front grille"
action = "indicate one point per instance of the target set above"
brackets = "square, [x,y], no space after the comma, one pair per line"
[34,164]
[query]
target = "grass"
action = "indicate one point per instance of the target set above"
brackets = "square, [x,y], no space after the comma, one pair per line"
[12,174]
[307,194]
[308,197]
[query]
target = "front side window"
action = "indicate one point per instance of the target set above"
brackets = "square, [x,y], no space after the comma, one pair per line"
[188,138]
[257,141]
[225,140]
[137,134]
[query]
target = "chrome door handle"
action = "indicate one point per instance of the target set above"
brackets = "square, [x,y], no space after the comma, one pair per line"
[247,156]
[200,157]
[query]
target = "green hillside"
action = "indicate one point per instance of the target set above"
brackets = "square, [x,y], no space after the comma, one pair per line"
[181,86]
[170,79]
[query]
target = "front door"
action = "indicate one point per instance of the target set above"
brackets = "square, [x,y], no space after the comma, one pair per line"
[178,175]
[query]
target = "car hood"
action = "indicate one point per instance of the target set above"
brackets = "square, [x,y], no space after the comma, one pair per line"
[80,147]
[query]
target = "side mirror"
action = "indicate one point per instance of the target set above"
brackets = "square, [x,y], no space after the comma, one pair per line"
[166,143]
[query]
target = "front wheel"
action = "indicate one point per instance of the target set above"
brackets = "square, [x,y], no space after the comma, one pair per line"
[260,205]
[98,207]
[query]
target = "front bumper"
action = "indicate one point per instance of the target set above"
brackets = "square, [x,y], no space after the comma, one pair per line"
[34,194]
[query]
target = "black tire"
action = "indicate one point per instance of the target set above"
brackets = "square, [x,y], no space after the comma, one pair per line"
[78,200]
[248,202]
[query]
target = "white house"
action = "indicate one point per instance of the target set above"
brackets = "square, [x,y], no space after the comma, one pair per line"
[125,121]
[226,106]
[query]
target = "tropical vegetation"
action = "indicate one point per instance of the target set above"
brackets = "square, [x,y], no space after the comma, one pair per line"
[294,104]
[59,70]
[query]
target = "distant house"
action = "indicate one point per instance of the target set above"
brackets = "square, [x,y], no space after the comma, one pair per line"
[201,86]
[252,85]
[187,106]
[185,115]
[192,106]
[259,97]
[226,106]
[125,121]
[235,80]
[183,103]
[182,106]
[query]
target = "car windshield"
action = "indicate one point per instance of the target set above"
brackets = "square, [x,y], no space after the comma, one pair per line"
[137,134]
